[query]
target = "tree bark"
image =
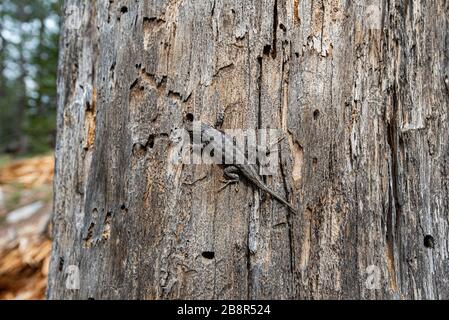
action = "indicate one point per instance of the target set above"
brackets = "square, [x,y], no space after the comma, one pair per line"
[361,98]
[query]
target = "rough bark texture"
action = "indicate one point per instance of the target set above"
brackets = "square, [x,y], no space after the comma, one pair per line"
[366,161]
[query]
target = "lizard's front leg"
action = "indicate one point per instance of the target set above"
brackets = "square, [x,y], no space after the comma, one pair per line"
[231,175]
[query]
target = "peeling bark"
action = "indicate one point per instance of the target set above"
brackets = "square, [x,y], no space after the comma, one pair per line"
[363,104]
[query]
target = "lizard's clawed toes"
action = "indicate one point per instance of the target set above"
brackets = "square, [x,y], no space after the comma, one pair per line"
[226,183]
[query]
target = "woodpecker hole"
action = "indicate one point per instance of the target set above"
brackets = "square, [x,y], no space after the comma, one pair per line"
[190,117]
[429,242]
[208,255]
[151,142]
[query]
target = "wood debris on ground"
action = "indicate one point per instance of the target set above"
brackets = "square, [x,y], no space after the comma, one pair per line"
[24,268]
[24,245]
[28,172]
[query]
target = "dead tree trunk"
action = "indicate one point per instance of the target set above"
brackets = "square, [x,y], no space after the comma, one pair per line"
[359,89]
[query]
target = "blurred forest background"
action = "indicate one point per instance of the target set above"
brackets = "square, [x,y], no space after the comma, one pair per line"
[28,61]
[29,32]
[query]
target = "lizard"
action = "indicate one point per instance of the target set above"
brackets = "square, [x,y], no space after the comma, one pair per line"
[231,171]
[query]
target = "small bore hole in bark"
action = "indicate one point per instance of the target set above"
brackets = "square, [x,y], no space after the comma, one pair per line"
[139,150]
[61,263]
[190,117]
[108,216]
[429,242]
[151,142]
[283,28]
[208,255]
[316,114]
[124,9]
[267,49]
[123,207]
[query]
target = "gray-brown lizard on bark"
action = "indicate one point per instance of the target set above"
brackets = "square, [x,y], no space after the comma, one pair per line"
[218,139]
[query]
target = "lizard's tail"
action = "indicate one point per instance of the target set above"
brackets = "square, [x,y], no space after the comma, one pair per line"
[263,187]
[285,203]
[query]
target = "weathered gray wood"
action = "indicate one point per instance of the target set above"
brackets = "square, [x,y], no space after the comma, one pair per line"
[366,161]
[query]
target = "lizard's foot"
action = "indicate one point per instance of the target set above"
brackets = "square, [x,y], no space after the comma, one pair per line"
[228,182]
[231,173]
[274,147]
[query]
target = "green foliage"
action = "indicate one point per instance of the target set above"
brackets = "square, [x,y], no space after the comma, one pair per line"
[29,32]
[40,133]
[4,160]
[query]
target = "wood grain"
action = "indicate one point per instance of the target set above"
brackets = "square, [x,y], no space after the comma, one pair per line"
[366,160]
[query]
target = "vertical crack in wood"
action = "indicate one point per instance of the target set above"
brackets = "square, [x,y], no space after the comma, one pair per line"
[394,207]
[248,264]
[284,101]
[259,102]
[322,26]
[275,27]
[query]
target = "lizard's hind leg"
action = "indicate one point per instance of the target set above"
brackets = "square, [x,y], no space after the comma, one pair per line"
[231,175]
